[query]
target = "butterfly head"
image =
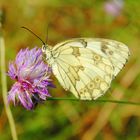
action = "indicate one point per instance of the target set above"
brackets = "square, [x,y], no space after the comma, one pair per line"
[44,48]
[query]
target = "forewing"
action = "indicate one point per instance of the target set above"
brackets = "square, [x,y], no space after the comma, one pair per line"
[115,51]
[84,72]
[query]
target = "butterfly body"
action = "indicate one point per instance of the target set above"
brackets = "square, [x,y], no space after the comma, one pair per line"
[50,55]
[86,66]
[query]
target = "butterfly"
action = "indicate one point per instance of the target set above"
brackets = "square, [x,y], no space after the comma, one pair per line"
[86,66]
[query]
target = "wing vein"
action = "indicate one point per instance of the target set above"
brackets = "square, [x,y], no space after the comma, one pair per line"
[70,80]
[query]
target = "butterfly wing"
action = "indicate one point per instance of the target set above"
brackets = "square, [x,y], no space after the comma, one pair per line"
[115,51]
[86,66]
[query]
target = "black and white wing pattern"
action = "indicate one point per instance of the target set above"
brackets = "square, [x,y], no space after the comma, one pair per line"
[86,66]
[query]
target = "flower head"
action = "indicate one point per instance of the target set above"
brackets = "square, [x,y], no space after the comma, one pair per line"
[114,7]
[32,78]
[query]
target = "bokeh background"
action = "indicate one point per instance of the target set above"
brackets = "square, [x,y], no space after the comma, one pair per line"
[69,120]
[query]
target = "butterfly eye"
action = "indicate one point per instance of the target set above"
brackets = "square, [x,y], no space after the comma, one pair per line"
[44,48]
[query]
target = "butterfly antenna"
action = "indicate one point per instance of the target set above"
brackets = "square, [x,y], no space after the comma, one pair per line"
[34,34]
[47,32]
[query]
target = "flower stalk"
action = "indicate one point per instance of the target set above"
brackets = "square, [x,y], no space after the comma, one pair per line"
[4,86]
[95,101]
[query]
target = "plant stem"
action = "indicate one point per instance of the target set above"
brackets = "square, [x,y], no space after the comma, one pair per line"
[4,87]
[96,101]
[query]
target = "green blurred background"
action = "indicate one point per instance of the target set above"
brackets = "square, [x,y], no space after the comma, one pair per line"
[68,120]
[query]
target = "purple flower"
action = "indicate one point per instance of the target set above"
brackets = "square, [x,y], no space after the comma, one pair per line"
[32,78]
[114,7]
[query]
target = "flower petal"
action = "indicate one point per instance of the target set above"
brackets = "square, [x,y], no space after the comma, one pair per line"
[32,78]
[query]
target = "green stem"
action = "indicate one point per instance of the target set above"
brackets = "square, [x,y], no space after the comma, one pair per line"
[97,101]
[4,87]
